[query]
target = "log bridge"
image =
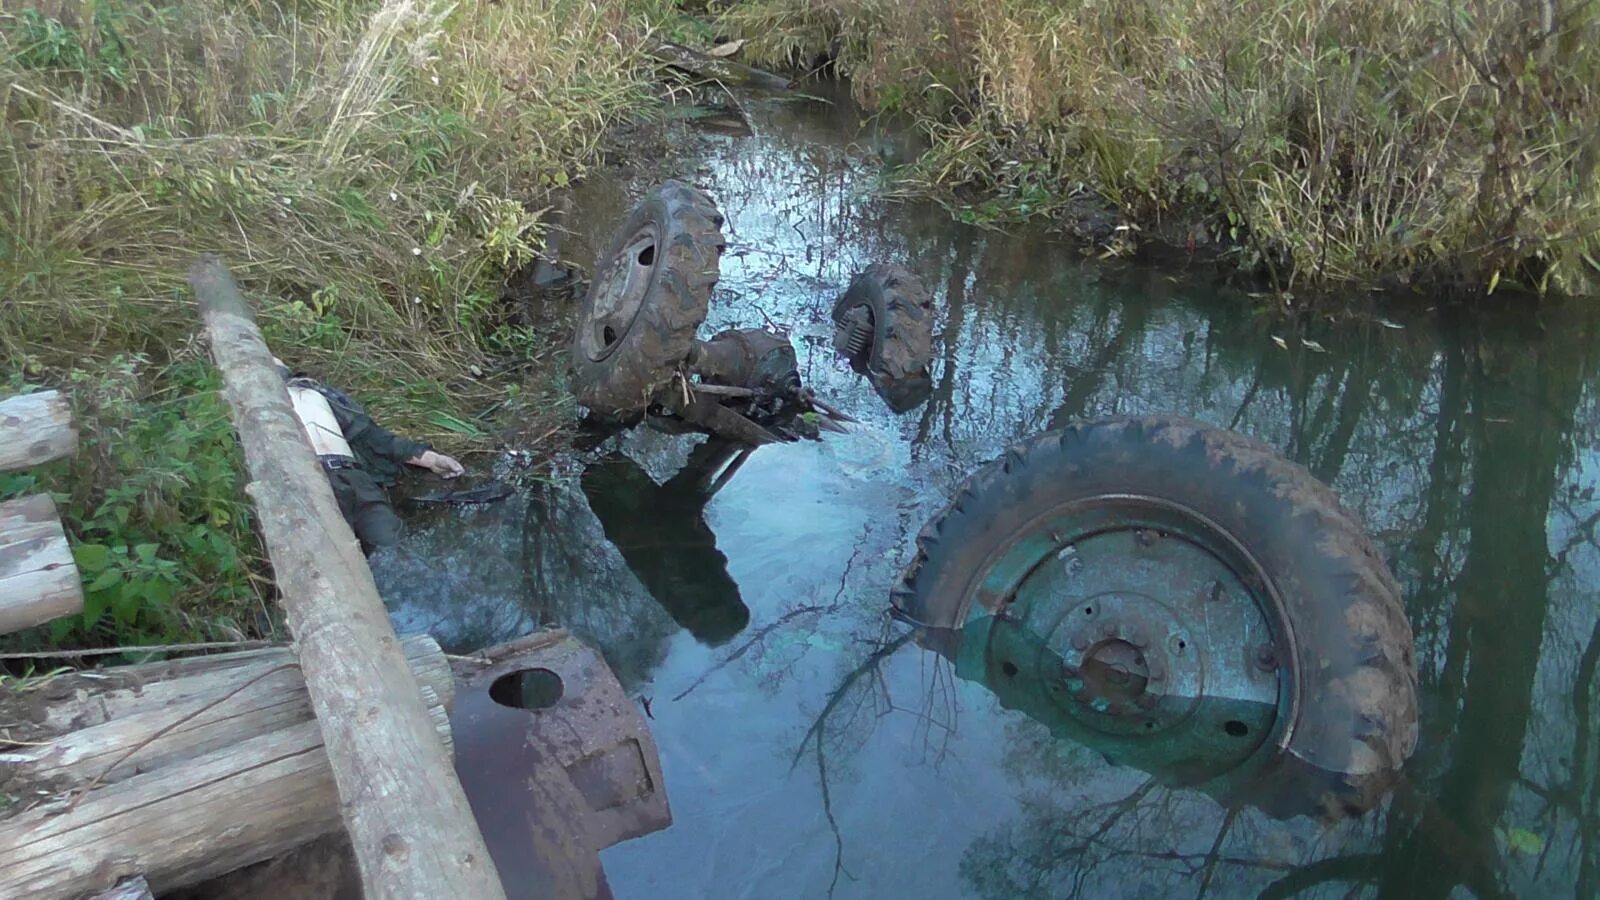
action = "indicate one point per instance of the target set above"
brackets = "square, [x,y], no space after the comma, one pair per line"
[325,767]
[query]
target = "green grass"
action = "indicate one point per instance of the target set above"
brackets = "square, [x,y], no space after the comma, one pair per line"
[1445,144]
[161,530]
[371,171]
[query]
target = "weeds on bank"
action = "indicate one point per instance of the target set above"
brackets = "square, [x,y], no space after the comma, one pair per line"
[1451,142]
[371,171]
[154,502]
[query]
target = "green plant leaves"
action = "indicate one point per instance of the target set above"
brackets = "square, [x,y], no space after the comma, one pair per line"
[92,559]
[451,423]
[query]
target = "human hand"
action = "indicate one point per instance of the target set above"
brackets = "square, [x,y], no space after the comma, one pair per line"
[440,464]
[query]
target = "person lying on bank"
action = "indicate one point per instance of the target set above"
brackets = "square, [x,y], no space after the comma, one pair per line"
[361,457]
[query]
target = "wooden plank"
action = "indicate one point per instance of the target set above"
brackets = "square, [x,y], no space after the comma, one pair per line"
[151,728]
[179,824]
[176,825]
[35,429]
[38,579]
[408,820]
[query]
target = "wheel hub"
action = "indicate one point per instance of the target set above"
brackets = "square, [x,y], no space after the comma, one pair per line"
[619,294]
[1126,660]
[1140,639]
[1116,673]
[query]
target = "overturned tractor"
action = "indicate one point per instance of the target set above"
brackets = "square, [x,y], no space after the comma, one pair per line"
[1179,597]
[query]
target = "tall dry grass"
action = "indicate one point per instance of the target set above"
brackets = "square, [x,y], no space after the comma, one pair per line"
[370,170]
[1448,142]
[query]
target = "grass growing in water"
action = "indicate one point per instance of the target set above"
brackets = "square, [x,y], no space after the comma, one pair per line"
[370,171]
[1387,141]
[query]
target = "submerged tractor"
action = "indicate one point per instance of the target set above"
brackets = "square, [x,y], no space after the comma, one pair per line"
[1179,597]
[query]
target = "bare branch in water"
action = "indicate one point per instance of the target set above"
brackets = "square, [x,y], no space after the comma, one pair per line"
[765,630]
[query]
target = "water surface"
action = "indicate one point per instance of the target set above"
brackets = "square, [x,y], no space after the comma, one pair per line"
[803,756]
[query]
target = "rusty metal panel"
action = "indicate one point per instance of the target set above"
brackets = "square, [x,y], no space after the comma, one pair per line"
[557,763]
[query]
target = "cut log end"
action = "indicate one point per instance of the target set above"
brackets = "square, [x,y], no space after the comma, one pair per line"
[178,771]
[35,429]
[38,579]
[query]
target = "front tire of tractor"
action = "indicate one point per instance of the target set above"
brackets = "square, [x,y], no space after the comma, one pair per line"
[885,323]
[651,291]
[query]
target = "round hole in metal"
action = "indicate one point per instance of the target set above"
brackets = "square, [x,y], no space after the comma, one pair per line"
[527,689]
[1236,728]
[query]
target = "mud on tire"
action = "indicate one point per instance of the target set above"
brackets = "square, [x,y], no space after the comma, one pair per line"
[893,337]
[1352,721]
[651,290]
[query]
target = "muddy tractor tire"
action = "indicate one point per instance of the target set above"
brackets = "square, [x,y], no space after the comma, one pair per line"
[651,290]
[884,323]
[1258,540]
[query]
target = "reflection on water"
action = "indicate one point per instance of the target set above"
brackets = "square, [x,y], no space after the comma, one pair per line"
[662,534]
[817,750]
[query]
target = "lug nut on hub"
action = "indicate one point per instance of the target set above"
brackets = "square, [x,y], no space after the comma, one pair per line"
[1267,658]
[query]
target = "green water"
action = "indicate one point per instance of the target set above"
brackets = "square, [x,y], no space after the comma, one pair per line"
[806,750]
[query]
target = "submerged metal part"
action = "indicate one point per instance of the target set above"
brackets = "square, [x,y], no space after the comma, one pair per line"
[619,293]
[1141,634]
[854,332]
[556,761]
[750,358]
[749,379]
[884,327]
[1133,629]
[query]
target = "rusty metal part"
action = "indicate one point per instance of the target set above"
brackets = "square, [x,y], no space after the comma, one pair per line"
[853,335]
[809,396]
[707,414]
[749,358]
[722,390]
[748,379]
[552,786]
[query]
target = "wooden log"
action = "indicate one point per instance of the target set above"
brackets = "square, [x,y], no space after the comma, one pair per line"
[408,820]
[324,868]
[103,726]
[237,781]
[38,579]
[35,429]
[704,65]
[136,888]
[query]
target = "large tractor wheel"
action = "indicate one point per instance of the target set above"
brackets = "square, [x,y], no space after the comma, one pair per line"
[1193,602]
[652,289]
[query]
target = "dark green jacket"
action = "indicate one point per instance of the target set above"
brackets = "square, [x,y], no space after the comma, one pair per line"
[381,452]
